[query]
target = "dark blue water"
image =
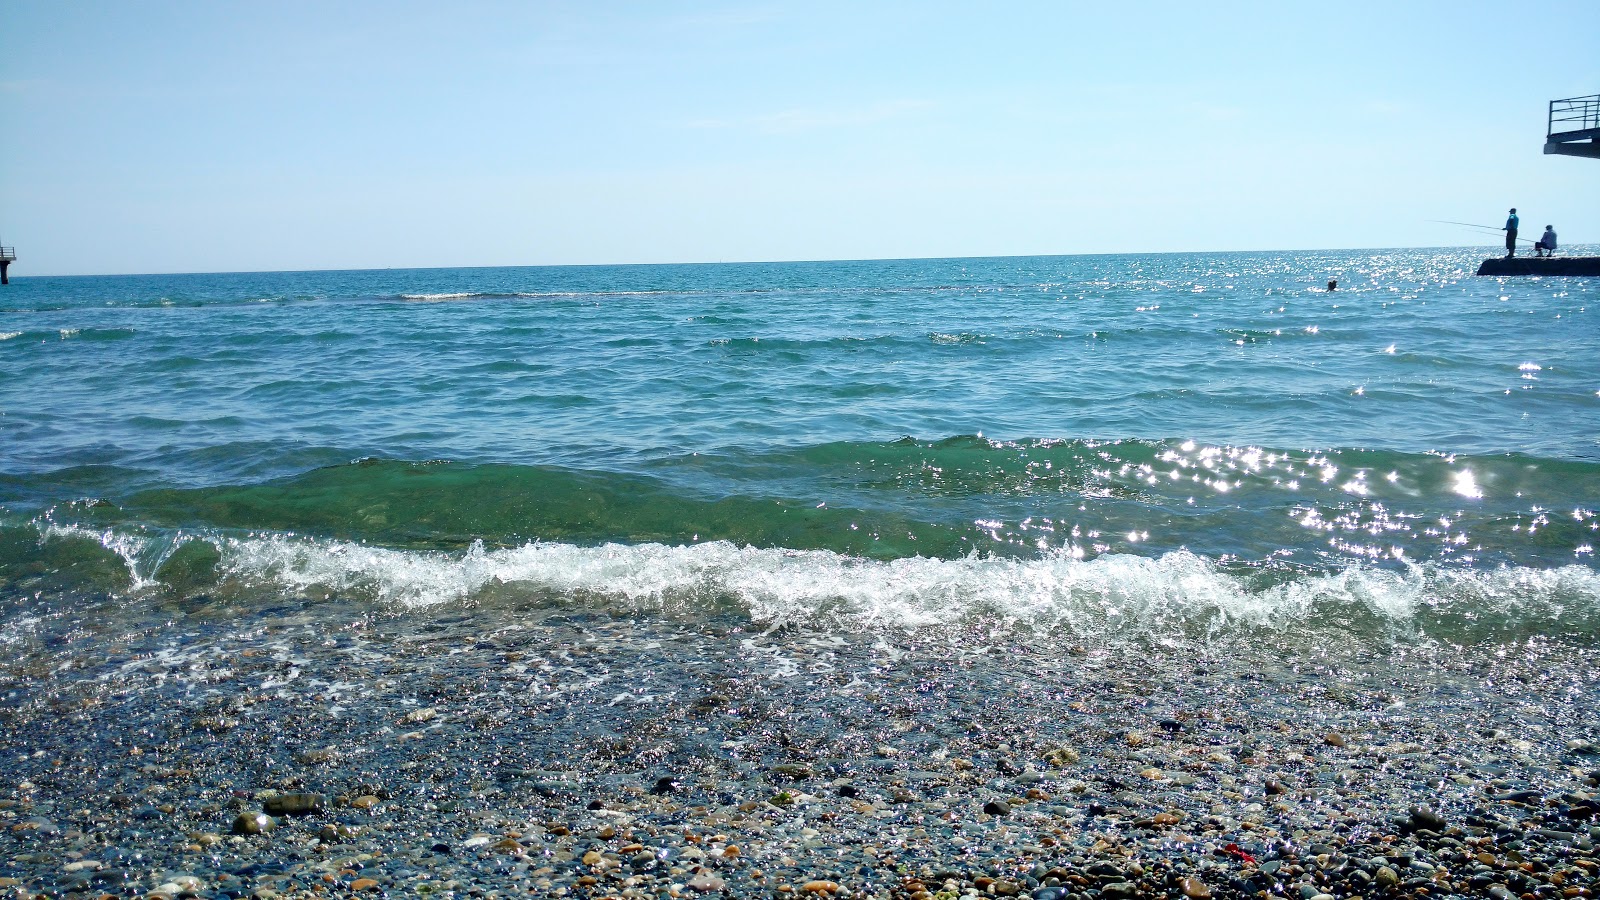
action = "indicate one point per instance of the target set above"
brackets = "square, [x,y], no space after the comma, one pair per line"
[1063,439]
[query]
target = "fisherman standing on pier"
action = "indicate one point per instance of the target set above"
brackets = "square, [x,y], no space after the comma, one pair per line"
[1511,234]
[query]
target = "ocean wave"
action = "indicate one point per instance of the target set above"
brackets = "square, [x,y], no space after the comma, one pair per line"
[69,334]
[430,298]
[512,295]
[1176,595]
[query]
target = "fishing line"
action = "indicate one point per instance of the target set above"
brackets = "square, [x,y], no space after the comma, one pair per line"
[1490,228]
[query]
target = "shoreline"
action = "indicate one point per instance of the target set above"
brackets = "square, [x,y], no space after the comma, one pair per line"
[544,751]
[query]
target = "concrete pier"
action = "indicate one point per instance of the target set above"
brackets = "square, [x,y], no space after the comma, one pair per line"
[7,256]
[1549,265]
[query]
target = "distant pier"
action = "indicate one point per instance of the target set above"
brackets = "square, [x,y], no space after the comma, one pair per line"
[1573,129]
[8,255]
[1542,265]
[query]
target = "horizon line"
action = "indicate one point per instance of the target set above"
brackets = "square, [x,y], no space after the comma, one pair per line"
[738,262]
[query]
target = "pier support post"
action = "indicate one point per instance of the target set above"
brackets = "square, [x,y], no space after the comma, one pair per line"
[4,265]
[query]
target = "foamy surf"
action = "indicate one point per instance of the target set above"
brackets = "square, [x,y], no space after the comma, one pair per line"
[1171,595]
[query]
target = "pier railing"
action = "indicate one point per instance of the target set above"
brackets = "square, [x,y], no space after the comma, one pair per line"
[8,253]
[1574,114]
[1574,127]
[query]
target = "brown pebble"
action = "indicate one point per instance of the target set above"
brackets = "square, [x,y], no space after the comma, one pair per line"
[820,887]
[363,884]
[1194,888]
[1333,739]
[365,801]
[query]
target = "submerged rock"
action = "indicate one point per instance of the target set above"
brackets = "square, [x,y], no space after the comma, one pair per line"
[300,804]
[253,823]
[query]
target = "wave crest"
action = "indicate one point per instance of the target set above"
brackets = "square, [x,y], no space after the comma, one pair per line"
[1175,595]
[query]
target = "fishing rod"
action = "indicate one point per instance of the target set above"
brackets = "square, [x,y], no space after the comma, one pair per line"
[1490,228]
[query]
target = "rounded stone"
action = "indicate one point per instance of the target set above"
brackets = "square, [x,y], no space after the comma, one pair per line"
[253,823]
[1423,817]
[705,882]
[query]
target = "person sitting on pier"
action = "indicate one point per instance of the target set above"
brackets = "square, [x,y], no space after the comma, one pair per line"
[1547,242]
[1511,234]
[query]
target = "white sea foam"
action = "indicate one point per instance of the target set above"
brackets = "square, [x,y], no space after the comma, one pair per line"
[1107,594]
[17,629]
[8,335]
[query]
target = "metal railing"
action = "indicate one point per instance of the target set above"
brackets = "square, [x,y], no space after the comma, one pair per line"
[1574,114]
[9,254]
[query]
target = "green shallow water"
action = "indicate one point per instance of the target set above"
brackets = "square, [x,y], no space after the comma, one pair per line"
[942,499]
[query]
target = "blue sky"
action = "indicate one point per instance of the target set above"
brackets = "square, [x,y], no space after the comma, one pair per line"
[169,137]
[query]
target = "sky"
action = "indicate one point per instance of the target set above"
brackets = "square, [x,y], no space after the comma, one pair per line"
[230,136]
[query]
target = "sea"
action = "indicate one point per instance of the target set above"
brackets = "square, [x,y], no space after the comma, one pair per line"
[1159,448]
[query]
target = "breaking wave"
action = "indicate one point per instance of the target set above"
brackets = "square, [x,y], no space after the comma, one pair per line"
[1174,595]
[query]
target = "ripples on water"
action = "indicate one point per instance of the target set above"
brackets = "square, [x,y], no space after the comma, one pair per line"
[1220,408]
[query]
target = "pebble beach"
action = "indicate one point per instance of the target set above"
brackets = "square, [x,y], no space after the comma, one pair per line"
[500,752]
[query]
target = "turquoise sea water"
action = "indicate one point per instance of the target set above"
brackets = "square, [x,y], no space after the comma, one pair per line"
[1155,443]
